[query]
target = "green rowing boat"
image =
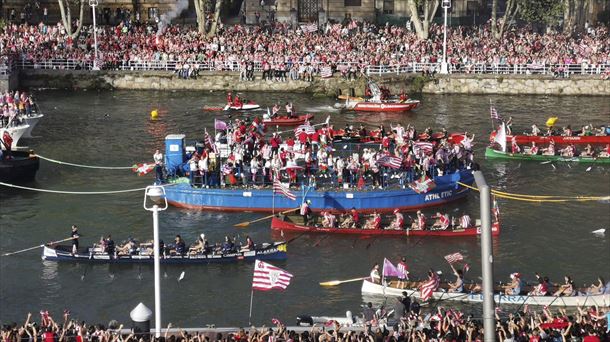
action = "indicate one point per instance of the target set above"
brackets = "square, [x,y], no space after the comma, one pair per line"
[493,154]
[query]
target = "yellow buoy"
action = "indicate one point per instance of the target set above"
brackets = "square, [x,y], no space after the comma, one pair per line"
[551,121]
[154,114]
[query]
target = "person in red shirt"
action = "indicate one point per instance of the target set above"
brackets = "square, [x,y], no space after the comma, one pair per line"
[302,137]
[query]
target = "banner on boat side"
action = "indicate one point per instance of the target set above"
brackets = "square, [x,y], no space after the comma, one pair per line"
[268,277]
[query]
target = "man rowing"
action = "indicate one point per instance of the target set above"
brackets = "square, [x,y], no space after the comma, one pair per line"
[398,221]
[458,285]
[420,222]
[465,221]
[514,288]
[550,150]
[374,222]
[328,220]
[375,276]
[75,237]
[442,221]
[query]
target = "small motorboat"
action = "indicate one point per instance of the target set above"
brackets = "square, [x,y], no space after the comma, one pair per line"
[265,251]
[287,121]
[16,132]
[244,106]
[18,166]
[31,120]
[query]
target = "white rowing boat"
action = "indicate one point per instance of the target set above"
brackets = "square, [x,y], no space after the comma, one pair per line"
[602,300]
[31,120]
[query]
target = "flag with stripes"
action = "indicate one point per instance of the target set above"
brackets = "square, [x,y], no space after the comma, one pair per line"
[268,277]
[279,188]
[453,258]
[494,113]
[326,72]
[309,28]
[428,288]
[390,161]
[307,127]
[210,142]
[423,146]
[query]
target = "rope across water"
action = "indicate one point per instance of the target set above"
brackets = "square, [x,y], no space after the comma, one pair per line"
[86,166]
[75,192]
[540,199]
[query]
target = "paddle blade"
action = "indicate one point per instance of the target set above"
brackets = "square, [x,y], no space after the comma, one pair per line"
[243,224]
[330,283]
[181,276]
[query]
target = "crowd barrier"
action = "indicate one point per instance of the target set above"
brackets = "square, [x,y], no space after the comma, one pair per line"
[562,70]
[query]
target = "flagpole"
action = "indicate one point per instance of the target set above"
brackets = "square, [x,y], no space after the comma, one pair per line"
[273,194]
[490,118]
[250,315]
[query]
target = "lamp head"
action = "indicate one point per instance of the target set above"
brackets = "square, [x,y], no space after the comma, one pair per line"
[156,195]
[93,2]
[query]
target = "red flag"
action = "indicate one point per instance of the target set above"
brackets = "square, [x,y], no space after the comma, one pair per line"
[360,183]
[268,277]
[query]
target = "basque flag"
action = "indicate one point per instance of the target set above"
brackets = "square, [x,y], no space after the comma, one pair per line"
[268,277]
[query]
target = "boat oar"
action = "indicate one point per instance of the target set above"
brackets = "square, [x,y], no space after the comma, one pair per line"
[339,282]
[247,223]
[39,246]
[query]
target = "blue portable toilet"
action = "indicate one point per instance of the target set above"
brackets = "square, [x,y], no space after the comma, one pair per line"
[174,153]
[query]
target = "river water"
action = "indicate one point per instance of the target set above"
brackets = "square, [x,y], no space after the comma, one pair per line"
[113,129]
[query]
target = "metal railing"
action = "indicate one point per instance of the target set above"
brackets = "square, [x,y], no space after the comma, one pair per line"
[7,67]
[558,70]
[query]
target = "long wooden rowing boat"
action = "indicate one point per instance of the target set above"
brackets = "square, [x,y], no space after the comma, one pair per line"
[490,153]
[602,300]
[385,106]
[287,224]
[274,251]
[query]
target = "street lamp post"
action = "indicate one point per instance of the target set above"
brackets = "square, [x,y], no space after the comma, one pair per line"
[444,68]
[156,194]
[93,4]
[489,323]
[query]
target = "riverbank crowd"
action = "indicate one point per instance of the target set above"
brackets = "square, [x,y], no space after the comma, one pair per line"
[345,47]
[411,322]
[241,154]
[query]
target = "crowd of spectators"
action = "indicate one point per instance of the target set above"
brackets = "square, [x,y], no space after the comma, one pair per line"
[345,47]
[323,157]
[412,323]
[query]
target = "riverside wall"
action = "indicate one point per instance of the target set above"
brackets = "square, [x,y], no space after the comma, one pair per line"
[412,83]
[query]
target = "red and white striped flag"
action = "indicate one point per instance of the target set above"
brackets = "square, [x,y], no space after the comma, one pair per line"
[423,146]
[453,258]
[210,142]
[279,188]
[309,28]
[307,127]
[268,277]
[428,288]
[326,72]
[494,113]
[390,161]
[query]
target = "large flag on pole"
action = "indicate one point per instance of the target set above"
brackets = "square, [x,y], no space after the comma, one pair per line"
[389,270]
[428,288]
[279,188]
[500,137]
[268,277]
[220,125]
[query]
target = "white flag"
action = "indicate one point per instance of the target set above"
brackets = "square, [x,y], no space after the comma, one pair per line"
[501,137]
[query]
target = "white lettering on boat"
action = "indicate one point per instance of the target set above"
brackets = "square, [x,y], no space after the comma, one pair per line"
[349,195]
[437,196]
[247,194]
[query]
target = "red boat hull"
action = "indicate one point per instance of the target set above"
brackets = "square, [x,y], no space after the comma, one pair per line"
[285,121]
[560,140]
[285,226]
[384,106]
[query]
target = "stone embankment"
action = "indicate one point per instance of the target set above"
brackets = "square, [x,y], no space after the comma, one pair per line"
[411,83]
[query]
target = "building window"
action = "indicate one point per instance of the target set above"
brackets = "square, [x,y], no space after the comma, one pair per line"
[388,7]
[352,3]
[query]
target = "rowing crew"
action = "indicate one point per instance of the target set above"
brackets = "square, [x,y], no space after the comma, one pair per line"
[442,221]
[106,245]
[569,151]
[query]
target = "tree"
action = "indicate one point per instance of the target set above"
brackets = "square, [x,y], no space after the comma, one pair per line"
[65,8]
[512,8]
[200,6]
[428,7]
[217,9]
[541,11]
